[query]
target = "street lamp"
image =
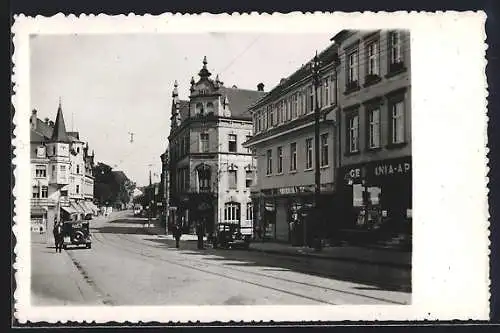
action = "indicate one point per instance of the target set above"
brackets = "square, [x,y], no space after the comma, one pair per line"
[315,67]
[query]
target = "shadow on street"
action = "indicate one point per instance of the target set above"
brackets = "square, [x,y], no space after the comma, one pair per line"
[377,276]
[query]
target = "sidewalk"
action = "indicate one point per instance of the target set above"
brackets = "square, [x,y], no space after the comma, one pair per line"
[373,256]
[341,253]
[54,278]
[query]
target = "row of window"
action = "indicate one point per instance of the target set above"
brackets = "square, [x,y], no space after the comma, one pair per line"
[204,177]
[373,126]
[201,109]
[232,212]
[204,145]
[372,58]
[41,170]
[43,191]
[40,192]
[293,156]
[295,105]
[233,179]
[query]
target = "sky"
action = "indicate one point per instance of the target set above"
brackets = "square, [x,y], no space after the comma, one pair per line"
[112,85]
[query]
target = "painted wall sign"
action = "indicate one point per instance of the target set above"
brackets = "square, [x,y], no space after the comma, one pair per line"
[392,169]
[374,170]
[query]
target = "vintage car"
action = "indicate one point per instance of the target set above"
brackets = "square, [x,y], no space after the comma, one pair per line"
[228,235]
[77,233]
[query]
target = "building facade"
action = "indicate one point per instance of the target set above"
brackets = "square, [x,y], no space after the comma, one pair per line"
[210,170]
[61,189]
[164,187]
[284,146]
[375,136]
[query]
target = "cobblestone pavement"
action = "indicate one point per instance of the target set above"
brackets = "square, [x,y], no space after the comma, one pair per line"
[129,266]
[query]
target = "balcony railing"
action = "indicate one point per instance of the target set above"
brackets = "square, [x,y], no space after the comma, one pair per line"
[41,202]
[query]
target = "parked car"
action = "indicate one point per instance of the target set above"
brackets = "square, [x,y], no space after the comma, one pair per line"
[228,235]
[76,233]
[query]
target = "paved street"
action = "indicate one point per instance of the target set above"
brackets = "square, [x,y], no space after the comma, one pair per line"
[129,266]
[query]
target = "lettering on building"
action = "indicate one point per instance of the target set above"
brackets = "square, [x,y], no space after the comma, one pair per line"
[392,169]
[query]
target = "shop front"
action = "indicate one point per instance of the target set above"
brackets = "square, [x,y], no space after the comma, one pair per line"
[190,208]
[378,196]
[286,214]
[38,219]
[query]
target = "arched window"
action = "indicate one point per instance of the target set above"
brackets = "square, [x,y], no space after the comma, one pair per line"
[232,212]
[199,108]
[210,108]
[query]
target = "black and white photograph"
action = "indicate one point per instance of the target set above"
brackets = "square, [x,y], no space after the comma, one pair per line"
[221,168]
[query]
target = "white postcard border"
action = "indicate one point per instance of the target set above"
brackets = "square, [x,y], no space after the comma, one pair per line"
[451,247]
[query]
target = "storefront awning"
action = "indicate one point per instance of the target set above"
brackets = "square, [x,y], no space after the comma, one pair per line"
[77,208]
[92,206]
[85,208]
[69,209]
[37,211]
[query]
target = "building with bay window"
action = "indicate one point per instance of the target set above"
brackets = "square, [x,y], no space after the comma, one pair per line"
[210,172]
[375,137]
[283,143]
[62,182]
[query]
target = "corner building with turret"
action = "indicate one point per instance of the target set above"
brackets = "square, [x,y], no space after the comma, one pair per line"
[210,171]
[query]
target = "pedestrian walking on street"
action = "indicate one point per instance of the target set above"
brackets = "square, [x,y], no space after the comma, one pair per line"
[177,234]
[199,233]
[58,235]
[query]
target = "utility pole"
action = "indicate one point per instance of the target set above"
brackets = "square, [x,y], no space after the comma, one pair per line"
[317,175]
[150,200]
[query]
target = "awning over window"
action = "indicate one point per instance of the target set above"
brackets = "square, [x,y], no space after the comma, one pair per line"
[85,208]
[37,211]
[92,206]
[77,208]
[69,209]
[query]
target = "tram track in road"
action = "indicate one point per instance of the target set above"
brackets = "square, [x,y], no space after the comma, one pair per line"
[202,263]
[226,276]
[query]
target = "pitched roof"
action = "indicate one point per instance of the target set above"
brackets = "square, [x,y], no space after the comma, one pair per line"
[183,109]
[59,134]
[326,57]
[240,100]
[37,136]
[43,129]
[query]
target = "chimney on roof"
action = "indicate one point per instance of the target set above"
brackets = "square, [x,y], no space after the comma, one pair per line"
[46,120]
[260,87]
[33,119]
[51,123]
[283,80]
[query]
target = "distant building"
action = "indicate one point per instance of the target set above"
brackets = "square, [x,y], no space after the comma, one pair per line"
[164,187]
[376,165]
[61,187]
[210,171]
[283,142]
